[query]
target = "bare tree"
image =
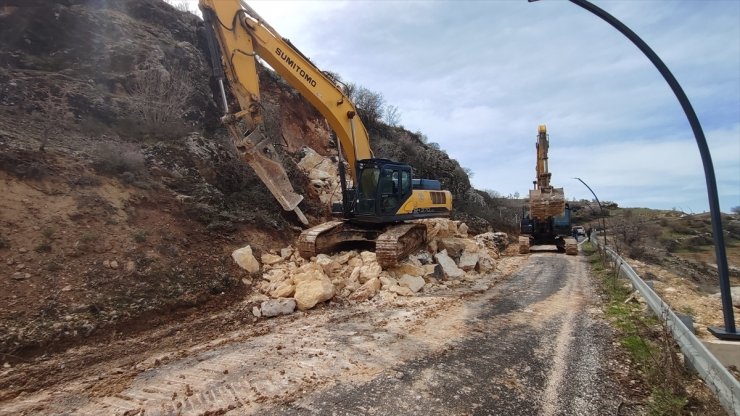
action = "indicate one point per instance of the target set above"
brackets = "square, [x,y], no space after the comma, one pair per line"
[392,116]
[160,97]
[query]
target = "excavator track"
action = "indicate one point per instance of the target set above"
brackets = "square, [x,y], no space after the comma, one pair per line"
[307,241]
[392,242]
[398,242]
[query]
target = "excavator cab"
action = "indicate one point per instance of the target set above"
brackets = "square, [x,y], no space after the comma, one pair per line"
[382,188]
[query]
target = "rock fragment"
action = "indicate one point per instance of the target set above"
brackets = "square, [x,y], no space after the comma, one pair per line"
[245,259]
[277,307]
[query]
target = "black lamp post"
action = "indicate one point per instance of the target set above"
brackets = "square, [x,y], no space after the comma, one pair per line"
[729,331]
[601,209]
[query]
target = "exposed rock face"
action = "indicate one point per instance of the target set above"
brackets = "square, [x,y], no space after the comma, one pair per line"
[245,259]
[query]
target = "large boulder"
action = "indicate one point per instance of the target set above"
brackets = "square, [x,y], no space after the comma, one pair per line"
[449,268]
[312,292]
[245,259]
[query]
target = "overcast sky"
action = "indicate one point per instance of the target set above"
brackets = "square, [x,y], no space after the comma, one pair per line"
[478,77]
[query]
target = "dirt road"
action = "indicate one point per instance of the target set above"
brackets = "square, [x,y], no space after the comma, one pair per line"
[525,340]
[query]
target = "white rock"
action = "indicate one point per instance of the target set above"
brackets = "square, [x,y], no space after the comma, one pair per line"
[462,230]
[388,282]
[317,174]
[468,261]
[415,283]
[309,293]
[286,252]
[245,259]
[283,290]
[271,259]
[310,160]
[256,311]
[114,264]
[309,271]
[369,271]
[344,257]
[275,275]
[327,263]
[367,290]
[485,263]
[401,290]
[368,257]
[276,307]
[449,268]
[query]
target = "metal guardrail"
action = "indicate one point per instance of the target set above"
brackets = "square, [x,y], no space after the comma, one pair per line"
[714,374]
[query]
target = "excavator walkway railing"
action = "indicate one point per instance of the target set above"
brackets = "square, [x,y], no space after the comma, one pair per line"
[716,376]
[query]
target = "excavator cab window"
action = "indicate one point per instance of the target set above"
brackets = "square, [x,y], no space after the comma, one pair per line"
[368,186]
[395,187]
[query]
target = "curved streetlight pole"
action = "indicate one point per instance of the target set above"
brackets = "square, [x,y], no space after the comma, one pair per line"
[729,331]
[601,209]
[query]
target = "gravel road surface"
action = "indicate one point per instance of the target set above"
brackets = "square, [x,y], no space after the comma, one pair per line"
[526,340]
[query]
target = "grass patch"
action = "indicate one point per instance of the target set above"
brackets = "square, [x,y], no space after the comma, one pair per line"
[644,338]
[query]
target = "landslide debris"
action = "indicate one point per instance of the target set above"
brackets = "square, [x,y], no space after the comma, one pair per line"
[286,281]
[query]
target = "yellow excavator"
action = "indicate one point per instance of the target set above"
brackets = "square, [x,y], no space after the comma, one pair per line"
[379,196]
[547,221]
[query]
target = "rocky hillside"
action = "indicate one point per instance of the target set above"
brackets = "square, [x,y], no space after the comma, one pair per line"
[122,193]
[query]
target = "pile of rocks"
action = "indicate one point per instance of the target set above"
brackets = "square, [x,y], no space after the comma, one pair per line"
[293,282]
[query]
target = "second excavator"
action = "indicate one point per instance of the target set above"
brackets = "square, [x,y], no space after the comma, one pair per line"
[379,196]
[548,219]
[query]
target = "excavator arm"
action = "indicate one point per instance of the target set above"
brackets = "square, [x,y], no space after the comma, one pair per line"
[242,36]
